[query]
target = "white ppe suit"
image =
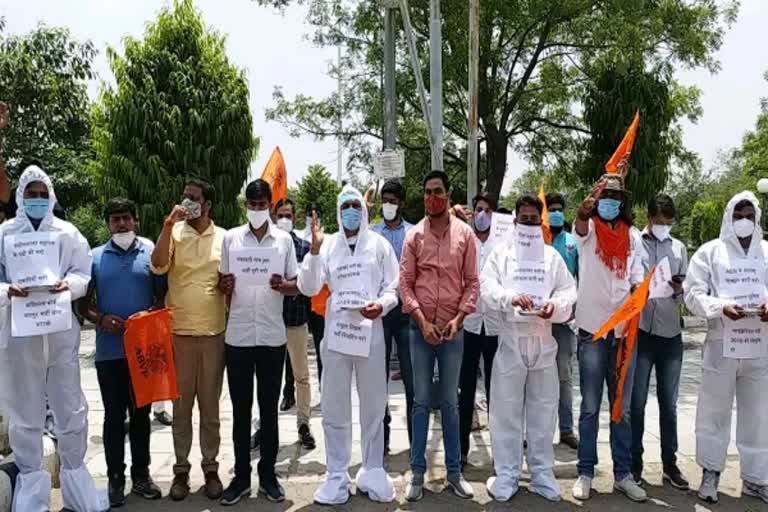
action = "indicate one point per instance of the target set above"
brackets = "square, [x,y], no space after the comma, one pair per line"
[722,377]
[49,365]
[524,381]
[382,269]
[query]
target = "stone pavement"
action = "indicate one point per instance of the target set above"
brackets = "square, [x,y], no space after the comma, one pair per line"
[301,471]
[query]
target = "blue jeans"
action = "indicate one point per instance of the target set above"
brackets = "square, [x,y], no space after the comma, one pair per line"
[397,328]
[423,355]
[565,345]
[667,355]
[597,367]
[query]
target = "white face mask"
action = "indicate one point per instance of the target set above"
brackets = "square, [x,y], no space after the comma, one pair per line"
[285,224]
[744,228]
[389,211]
[661,231]
[257,218]
[124,240]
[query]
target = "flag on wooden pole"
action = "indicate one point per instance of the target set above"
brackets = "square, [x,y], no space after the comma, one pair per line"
[625,148]
[276,175]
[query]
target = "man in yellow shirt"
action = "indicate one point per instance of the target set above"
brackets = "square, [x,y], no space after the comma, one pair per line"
[189,251]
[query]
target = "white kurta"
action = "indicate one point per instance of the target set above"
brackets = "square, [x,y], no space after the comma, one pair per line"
[524,381]
[370,376]
[49,365]
[725,378]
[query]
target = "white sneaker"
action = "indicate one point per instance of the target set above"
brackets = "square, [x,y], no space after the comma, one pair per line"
[756,491]
[582,489]
[630,489]
[710,480]
[415,489]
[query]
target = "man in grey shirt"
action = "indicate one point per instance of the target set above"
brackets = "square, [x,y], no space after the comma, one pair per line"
[660,342]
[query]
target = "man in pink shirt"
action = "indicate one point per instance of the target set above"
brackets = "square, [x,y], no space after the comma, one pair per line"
[439,287]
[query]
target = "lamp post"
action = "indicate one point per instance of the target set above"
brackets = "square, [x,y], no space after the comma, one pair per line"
[762,188]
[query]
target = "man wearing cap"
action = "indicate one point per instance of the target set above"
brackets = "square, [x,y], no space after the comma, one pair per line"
[611,257]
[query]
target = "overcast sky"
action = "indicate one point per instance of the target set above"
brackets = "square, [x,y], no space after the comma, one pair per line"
[273,51]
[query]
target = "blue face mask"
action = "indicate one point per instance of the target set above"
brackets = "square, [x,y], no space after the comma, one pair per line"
[608,209]
[556,219]
[36,208]
[351,218]
[482,222]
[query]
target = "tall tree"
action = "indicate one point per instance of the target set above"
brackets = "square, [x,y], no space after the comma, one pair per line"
[536,59]
[179,109]
[317,187]
[43,77]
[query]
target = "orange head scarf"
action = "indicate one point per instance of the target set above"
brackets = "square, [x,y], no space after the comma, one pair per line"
[613,245]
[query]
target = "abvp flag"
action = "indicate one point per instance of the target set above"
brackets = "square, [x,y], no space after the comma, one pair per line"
[625,148]
[277,176]
[149,351]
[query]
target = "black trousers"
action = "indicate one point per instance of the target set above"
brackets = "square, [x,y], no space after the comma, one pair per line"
[267,363]
[475,345]
[117,396]
[317,329]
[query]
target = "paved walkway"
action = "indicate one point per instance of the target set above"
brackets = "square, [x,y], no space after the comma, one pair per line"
[301,471]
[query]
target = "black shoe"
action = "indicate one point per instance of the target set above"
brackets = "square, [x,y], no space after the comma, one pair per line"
[306,439]
[288,403]
[116,492]
[237,489]
[164,418]
[256,440]
[637,473]
[273,490]
[570,440]
[675,478]
[146,488]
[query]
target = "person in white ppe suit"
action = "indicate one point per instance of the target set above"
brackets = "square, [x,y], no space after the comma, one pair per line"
[715,289]
[47,365]
[361,271]
[532,291]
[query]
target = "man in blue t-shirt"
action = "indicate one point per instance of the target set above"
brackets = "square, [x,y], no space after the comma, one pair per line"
[122,285]
[565,243]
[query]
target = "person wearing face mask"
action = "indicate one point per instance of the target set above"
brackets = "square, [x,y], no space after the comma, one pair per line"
[188,250]
[481,329]
[610,265]
[122,285]
[565,244]
[660,342]
[715,289]
[524,385]
[47,366]
[439,286]
[360,269]
[396,323]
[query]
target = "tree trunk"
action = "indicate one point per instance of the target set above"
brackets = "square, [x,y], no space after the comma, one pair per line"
[496,147]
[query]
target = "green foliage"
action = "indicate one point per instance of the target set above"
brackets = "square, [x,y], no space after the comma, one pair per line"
[537,60]
[180,109]
[43,75]
[89,220]
[704,222]
[318,187]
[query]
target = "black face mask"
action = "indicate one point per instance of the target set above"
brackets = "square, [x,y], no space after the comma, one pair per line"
[529,224]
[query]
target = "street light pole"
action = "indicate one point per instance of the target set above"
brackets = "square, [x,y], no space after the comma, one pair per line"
[390,82]
[436,82]
[474,93]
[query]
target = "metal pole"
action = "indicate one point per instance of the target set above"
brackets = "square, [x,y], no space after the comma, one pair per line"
[340,147]
[436,82]
[474,93]
[390,89]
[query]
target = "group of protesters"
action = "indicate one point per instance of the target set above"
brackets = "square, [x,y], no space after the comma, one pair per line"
[445,292]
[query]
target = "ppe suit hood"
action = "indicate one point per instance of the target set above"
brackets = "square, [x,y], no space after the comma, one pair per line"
[31,174]
[351,193]
[728,235]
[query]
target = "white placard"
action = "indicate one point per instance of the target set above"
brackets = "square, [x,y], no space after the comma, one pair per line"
[350,333]
[530,278]
[41,313]
[502,227]
[660,287]
[254,266]
[529,243]
[32,259]
[350,281]
[389,164]
[742,282]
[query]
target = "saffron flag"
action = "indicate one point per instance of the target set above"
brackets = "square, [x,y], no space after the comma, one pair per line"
[149,351]
[319,301]
[625,148]
[629,312]
[545,217]
[276,175]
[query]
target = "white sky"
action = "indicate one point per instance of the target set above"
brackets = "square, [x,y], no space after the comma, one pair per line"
[273,51]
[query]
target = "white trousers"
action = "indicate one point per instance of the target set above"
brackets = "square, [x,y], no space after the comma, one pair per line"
[721,380]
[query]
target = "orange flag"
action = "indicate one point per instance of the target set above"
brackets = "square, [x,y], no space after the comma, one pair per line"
[149,351]
[319,301]
[625,148]
[545,217]
[629,312]
[276,175]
